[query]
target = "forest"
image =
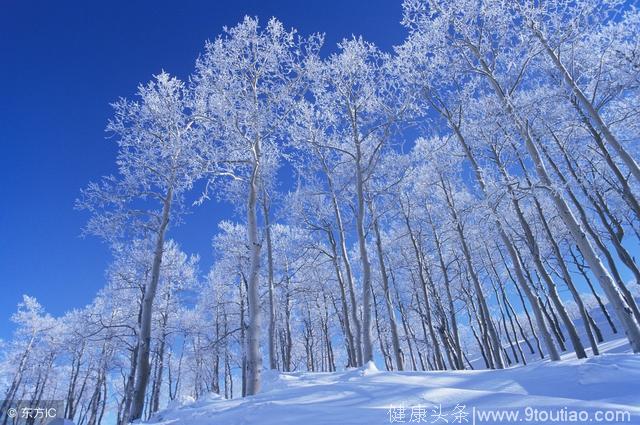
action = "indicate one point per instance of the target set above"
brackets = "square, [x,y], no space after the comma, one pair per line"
[467,200]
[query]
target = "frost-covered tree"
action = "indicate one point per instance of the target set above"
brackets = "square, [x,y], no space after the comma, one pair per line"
[34,330]
[246,84]
[158,162]
[356,106]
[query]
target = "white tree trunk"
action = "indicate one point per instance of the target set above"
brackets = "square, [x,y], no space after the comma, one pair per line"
[144,337]
[422,269]
[367,344]
[347,266]
[352,358]
[273,364]
[447,283]
[254,358]
[395,340]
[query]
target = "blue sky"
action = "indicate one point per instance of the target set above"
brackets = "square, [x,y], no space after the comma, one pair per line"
[61,64]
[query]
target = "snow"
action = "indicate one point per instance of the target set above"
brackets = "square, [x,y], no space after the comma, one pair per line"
[368,396]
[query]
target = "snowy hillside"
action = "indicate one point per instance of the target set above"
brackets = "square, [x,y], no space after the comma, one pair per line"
[603,388]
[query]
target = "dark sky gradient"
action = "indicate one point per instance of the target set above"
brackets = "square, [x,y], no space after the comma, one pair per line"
[61,64]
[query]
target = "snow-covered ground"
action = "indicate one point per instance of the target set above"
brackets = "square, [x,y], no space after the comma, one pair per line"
[603,389]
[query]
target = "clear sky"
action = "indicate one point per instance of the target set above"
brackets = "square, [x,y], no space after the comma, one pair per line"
[61,64]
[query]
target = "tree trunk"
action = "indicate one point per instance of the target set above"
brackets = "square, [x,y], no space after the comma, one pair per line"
[524,305]
[563,265]
[273,364]
[569,281]
[481,345]
[425,293]
[508,309]
[347,264]
[504,325]
[403,318]
[627,194]
[254,358]
[602,274]
[155,395]
[288,338]
[144,338]
[381,339]
[331,366]
[367,344]
[583,272]
[17,378]
[599,203]
[447,283]
[243,335]
[395,340]
[352,358]
[626,294]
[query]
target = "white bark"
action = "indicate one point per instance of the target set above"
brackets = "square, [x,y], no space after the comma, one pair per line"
[395,340]
[144,337]
[254,357]
[347,265]
[425,293]
[367,344]
[273,364]
[447,282]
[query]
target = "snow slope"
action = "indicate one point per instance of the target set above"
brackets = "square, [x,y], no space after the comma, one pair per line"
[608,383]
